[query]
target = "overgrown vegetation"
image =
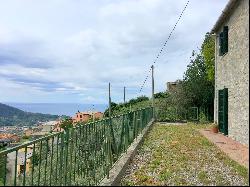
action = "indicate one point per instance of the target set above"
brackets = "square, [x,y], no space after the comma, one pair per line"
[66,124]
[197,87]
[132,104]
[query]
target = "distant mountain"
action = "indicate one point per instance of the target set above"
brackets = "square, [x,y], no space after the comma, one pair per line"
[13,116]
[68,109]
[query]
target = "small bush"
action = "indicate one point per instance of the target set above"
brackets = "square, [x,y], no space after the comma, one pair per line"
[26,137]
[202,118]
[66,124]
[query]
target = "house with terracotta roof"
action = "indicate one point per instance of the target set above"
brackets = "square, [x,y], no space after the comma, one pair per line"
[86,116]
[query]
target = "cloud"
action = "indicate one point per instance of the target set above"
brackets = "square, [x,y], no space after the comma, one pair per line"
[68,51]
[25,61]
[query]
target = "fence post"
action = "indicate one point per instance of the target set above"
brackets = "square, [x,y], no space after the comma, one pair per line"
[153,87]
[113,143]
[109,103]
[124,94]
[5,169]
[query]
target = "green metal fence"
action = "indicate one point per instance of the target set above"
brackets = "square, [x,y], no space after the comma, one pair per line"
[193,114]
[82,155]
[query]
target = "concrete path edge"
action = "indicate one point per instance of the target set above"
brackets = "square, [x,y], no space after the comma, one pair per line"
[118,170]
[233,149]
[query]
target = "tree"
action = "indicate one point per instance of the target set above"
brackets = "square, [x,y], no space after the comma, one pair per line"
[208,53]
[161,95]
[197,87]
[196,84]
[179,97]
[66,124]
[113,106]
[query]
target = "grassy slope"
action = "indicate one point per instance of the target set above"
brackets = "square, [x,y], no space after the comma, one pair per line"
[179,155]
[137,106]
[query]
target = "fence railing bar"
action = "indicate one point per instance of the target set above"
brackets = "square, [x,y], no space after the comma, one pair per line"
[15,175]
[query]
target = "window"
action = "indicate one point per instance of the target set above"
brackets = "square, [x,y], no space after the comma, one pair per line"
[223,41]
[80,116]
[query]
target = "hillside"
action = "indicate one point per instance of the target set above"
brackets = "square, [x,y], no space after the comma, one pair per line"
[13,116]
[137,103]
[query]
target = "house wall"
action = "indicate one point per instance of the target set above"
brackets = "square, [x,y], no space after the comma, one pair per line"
[98,115]
[171,86]
[232,72]
[83,118]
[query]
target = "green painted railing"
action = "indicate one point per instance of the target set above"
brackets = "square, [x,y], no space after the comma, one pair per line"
[82,155]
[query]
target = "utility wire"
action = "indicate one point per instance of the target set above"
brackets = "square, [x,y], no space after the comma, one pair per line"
[158,55]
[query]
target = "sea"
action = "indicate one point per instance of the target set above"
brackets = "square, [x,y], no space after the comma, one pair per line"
[68,109]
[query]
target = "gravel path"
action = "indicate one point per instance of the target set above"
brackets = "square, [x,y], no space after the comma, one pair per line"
[180,155]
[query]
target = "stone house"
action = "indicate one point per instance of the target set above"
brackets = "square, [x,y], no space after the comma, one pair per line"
[171,86]
[231,103]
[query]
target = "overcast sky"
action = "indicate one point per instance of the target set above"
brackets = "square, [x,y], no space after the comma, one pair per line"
[67,51]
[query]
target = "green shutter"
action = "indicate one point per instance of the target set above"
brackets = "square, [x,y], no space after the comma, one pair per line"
[220,111]
[225,39]
[221,44]
[223,111]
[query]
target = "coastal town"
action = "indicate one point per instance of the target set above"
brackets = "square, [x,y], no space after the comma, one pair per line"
[11,136]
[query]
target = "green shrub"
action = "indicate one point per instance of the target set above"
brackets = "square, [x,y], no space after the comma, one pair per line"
[26,137]
[66,123]
[202,118]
